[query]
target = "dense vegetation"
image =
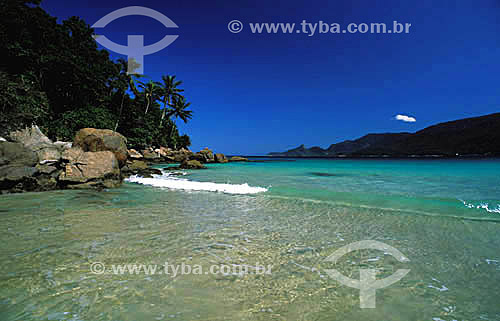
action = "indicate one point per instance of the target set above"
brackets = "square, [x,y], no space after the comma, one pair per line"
[53,75]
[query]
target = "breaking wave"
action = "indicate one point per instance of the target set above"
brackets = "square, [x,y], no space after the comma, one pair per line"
[168,180]
[484,206]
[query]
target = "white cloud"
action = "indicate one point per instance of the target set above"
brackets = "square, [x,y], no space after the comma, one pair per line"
[405,118]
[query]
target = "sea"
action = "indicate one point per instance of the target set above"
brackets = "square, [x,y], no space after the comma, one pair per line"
[274,229]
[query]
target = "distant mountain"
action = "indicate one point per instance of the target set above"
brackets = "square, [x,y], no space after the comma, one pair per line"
[470,136]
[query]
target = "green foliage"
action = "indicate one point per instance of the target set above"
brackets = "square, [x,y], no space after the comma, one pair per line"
[71,121]
[54,75]
[21,103]
[184,141]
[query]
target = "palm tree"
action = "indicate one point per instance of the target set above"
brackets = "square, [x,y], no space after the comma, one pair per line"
[169,92]
[179,110]
[123,82]
[151,90]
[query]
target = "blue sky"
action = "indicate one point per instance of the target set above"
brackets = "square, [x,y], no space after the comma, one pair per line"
[256,93]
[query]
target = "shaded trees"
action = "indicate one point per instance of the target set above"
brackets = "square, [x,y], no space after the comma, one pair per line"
[54,75]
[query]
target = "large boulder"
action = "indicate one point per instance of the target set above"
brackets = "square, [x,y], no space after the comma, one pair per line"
[72,155]
[33,139]
[90,169]
[98,140]
[17,178]
[49,155]
[220,158]
[139,168]
[191,164]
[205,156]
[137,165]
[16,154]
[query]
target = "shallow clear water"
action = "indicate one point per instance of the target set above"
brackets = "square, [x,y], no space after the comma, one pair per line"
[443,215]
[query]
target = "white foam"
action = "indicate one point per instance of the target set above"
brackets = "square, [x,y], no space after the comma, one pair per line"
[173,182]
[484,206]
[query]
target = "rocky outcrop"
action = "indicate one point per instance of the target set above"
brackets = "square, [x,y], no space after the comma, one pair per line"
[96,159]
[220,158]
[191,164]
[16,154]
[34,163]
[238,159]
[181,155]
[19,171]
[140,168]
[162,155]
[33,139]
[90,169]
[151,155]
[18,178]
[205,156]
[98,140]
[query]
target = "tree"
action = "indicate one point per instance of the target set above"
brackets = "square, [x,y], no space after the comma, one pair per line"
[54,75]
[169,92]
[151,92]
[179,110]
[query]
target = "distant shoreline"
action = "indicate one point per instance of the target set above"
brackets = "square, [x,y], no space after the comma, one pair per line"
[430,157]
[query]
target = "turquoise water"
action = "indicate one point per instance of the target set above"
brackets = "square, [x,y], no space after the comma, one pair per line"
[442,214]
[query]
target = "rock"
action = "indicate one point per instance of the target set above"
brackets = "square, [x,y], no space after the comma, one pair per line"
[16,154]
[18,178]
[62,146]
[205,156]
[46,183]
[165,152]
[46,169]
[180,157]
[139,168]
[150,155]
[98,140]
[191,164]
[32,138]
[91,169]
[49,155]
[149,172]
[220,158]
[72,155]
[16,172]
[238,159]
[138,165]
[133,154]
